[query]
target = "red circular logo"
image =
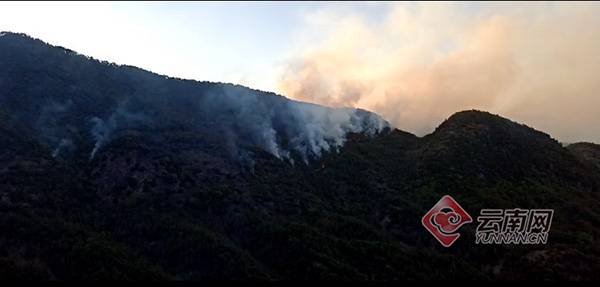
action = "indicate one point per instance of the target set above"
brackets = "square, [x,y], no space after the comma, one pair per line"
[444,220]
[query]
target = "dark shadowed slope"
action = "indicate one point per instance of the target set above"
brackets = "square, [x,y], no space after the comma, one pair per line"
[76,105]
[588,153]
[163,197]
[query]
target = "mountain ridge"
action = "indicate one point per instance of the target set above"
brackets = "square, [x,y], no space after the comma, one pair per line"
[167,195]
[36,40]
[89,97]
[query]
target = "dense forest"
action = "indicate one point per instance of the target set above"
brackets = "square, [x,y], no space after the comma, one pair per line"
[113,172]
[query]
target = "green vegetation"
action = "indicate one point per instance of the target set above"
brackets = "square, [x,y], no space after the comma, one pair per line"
[170,203]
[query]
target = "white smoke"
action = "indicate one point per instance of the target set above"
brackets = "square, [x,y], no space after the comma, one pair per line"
[103,130]
[419,63]
[53,127]
[64,145]
[322,129]
[281,126]
[101,133]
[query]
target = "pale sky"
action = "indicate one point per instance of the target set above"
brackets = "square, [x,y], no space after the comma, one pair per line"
[413,63]
[241,42]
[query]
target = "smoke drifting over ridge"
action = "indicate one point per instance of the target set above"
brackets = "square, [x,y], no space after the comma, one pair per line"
[95,103]
[533,62]
[246,118]
[243,119]
[102,130]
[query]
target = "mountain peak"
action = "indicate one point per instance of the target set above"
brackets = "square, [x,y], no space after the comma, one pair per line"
[13,42]
[15,35]
[588,153]
[88,103]
[471,117]
[112,172]
[482,123]
[9,33]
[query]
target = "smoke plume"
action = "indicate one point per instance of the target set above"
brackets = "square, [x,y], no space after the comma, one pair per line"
[103,130]
[65,145]
[53,126]
[533,62]
[282,127]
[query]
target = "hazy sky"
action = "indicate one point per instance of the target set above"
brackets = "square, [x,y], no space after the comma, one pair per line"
[413,63]
[242,42]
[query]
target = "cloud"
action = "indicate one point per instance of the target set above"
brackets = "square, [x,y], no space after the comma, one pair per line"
[533,62]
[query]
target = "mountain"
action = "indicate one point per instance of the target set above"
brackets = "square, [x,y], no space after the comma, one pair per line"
[113,172]
[588,153]
[76,105]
